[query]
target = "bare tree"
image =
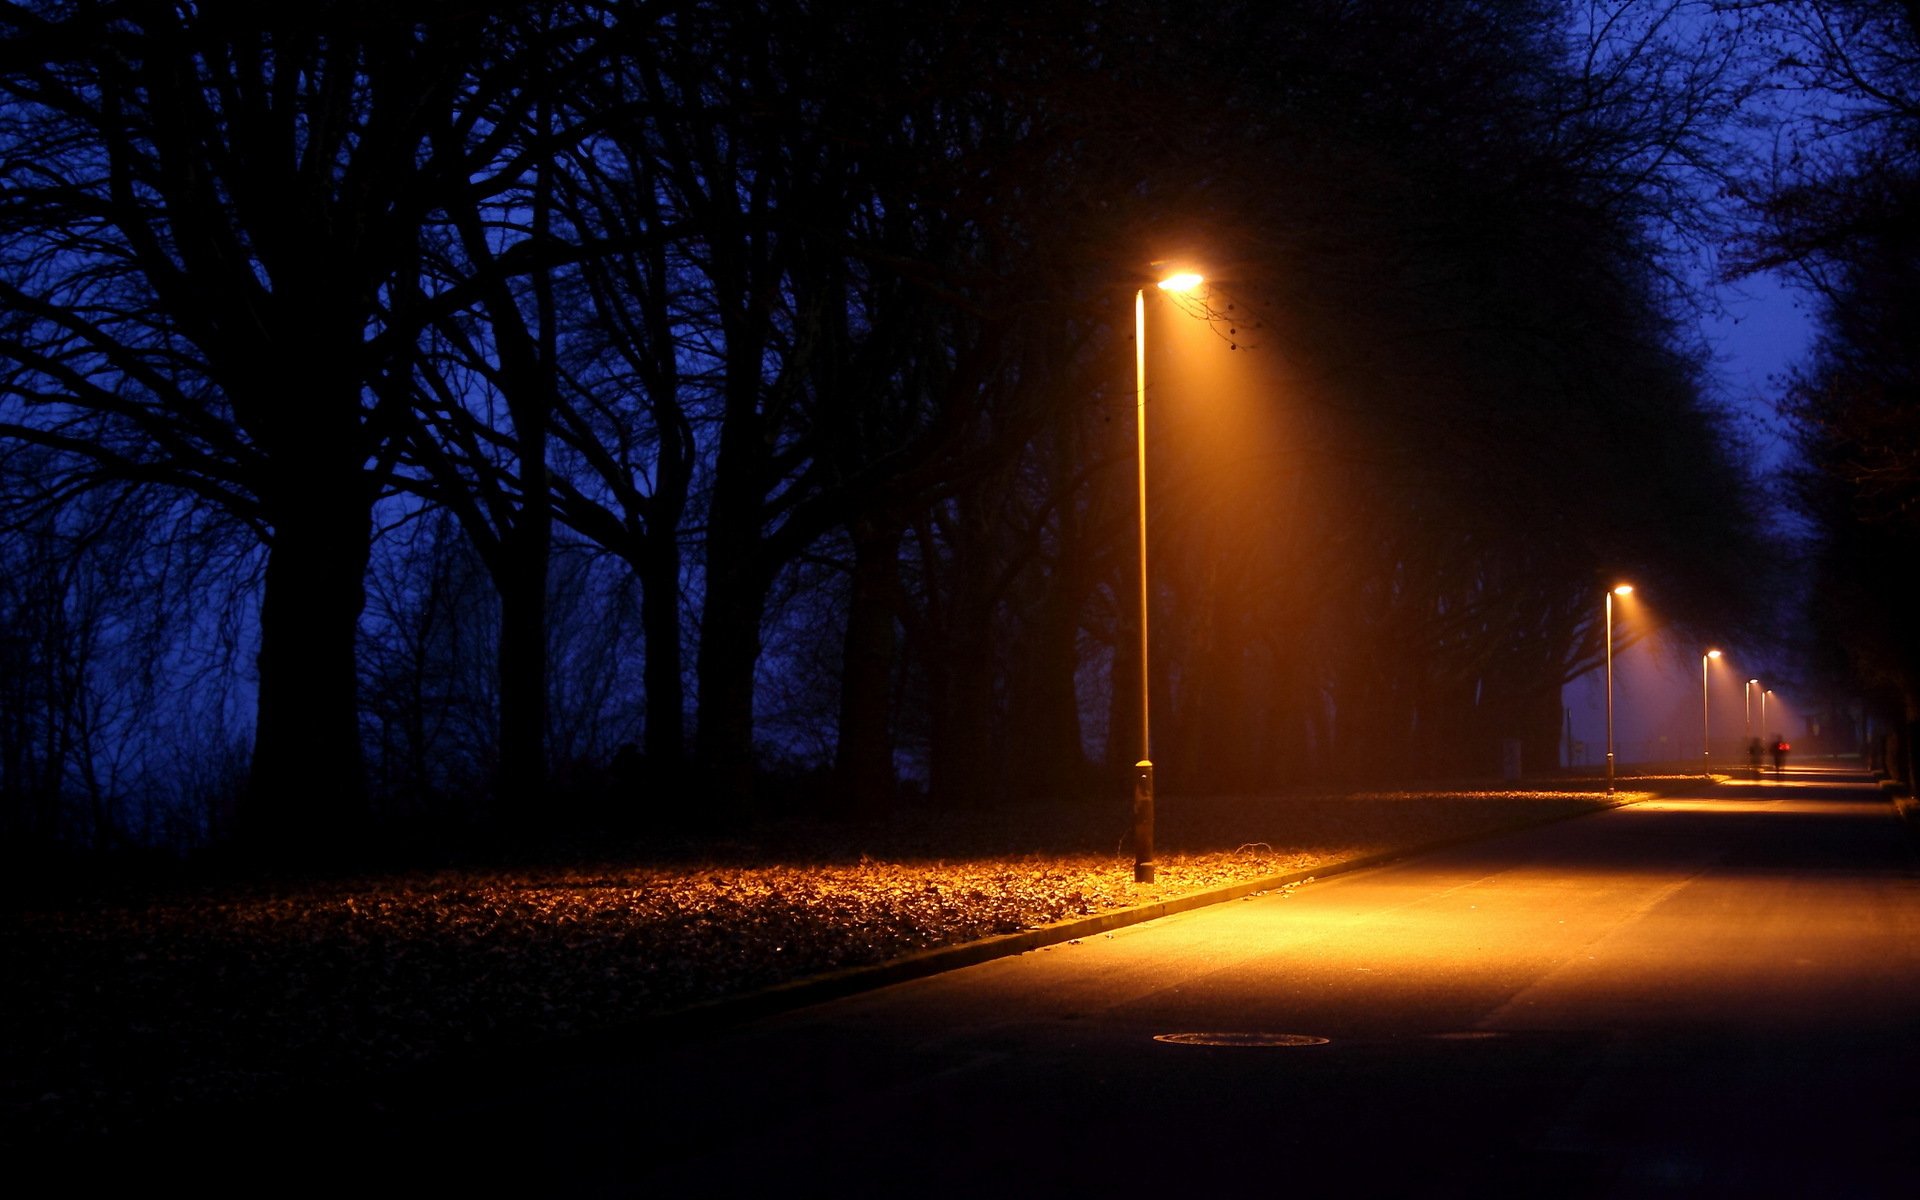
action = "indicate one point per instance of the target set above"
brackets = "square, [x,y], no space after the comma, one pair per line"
[1836,210]
[203,209]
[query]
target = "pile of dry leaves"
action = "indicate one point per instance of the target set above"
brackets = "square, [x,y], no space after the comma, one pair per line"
[114,1009]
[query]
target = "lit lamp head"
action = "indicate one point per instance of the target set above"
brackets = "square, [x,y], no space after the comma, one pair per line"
[1713,654]
[1185,281]
[1625,589]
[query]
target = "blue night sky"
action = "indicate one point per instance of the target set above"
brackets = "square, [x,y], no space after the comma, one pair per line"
[1765,330]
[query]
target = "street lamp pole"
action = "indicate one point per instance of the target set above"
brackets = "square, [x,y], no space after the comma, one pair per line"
[1706,734]
[1143,865]
[1621,590]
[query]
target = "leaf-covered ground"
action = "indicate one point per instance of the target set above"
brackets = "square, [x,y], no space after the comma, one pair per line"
[118,1007]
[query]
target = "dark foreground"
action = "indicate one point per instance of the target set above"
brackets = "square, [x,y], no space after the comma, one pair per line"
[135,1009]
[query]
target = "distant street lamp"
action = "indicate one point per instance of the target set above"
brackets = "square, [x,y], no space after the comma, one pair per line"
[1706,735]
[1143,864]
[1625,589]
[1746,693]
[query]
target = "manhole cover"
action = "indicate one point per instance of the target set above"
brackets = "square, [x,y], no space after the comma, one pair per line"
[1240,1039]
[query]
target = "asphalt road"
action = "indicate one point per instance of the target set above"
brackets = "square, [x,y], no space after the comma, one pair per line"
[1701,995]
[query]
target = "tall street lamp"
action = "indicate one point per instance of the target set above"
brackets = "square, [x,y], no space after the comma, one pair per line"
[1746,693]
[1625,589]
[1143,864]
[1706,736]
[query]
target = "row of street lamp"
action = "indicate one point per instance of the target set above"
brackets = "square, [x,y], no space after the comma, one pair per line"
[1144,868]
[1706,735]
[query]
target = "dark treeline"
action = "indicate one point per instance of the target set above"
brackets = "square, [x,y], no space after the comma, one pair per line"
[406,406]
[1842,212]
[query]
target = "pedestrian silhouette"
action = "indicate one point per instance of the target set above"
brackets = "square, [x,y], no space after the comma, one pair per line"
[1780,749]
[1753,756]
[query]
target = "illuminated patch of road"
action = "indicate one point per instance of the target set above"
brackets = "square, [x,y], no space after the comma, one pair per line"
[1240,1039]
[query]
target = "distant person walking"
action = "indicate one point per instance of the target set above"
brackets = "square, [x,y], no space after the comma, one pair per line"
[1780,749]
[1753,756]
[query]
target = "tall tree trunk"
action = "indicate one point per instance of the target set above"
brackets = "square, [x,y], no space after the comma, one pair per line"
[965,766]
[1044,752]
[306,797]
[525,554]
[526,549]
[666,733]
[729,652]
[964,769]
[863,758]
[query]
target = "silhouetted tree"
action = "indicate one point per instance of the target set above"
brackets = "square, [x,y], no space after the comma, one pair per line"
[203,207]
[1838,212]
[487,378]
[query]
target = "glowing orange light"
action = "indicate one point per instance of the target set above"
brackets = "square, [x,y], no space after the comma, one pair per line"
[1713,654]
[1186,281]
[1625,589]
